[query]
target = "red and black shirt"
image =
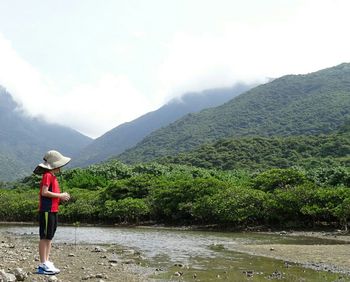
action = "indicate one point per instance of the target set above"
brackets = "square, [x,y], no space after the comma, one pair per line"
[47,204]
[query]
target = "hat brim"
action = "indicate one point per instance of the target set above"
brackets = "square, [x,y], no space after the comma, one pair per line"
[45,166]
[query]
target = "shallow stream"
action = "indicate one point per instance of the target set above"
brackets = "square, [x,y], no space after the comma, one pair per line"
[183,255]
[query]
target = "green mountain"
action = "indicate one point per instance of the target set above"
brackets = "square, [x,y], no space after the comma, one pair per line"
[24,140]
[260,153]
[308,104]
[129,134]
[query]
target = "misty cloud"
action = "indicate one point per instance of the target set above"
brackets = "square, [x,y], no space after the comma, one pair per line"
[91,108]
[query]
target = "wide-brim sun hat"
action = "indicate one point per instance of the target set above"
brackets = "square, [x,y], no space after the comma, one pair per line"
[52,159]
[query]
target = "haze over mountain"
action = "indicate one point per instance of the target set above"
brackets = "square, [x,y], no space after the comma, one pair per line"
[129,134]
[24,140]
[308,104]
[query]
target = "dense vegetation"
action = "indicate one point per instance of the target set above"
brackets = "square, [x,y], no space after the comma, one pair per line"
[177,194]
[292,105]
[261,153]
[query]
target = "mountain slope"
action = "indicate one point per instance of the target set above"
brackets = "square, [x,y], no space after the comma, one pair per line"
[129,134]
[24,140]
[253,153]
[291,105]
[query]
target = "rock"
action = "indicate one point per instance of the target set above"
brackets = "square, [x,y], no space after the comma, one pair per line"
[283,233]
[276,275]
[249,273]
[7,277]
[178,273]
[71,255]
[99,250]
[20,274]
[52,279]
[179,265]
[272,249]
[112,260]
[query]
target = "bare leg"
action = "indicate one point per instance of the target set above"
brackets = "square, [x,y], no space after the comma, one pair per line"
[44,250]
[48,249]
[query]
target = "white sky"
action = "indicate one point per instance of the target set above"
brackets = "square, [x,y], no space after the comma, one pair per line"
[94,64]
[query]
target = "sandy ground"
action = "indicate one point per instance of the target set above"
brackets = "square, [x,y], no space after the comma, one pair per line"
[332,257]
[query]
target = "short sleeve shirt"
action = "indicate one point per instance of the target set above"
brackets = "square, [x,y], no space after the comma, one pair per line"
[47,204]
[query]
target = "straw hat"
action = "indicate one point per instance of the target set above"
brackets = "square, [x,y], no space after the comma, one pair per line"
[52,160]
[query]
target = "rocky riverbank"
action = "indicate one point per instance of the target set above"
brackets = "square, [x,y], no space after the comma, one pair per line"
[19,260]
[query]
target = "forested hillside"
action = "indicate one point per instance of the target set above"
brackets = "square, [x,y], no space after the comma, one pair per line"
[24,140]
[308,104]
[259,153]
[130,133]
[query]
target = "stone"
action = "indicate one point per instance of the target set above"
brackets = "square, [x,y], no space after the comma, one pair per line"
[178,273]
[52,279]
[7,277]
[20,274]
[283,233]
[112,260]
[99,250]
[249,273]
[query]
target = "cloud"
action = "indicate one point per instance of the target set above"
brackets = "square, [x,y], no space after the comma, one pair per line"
[312,37]
[168,62]
[22,80]
[91,108]
[99,107]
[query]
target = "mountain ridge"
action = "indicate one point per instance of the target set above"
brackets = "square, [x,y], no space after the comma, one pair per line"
[291,105]
[130,133]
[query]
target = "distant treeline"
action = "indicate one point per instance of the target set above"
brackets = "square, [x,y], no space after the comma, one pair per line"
[261,153]
[115,193]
